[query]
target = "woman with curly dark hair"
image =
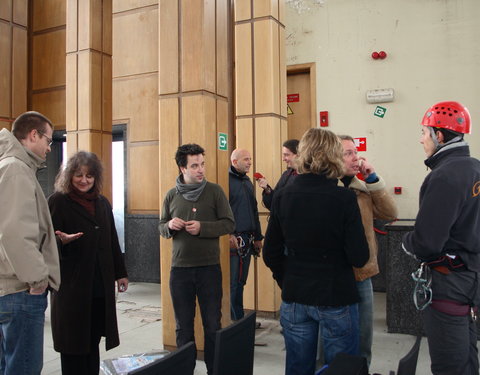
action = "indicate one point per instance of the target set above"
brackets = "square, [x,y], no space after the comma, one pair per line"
[83,310]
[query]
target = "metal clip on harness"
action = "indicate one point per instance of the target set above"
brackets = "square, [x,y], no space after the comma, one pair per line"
[422,293]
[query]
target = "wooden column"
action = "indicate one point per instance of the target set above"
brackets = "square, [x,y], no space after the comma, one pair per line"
[13,60]
[261,115]
[194,92]
[89,81]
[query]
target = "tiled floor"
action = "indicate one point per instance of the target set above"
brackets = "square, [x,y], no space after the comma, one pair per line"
[140,328]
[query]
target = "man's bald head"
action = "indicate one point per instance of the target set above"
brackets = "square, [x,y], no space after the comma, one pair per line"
[241,160]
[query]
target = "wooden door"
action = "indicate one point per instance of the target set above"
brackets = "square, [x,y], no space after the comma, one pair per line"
[298,98]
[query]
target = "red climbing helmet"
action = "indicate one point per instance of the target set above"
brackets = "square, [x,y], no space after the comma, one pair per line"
[448,115]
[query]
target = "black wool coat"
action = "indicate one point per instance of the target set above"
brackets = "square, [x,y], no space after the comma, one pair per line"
[71,306]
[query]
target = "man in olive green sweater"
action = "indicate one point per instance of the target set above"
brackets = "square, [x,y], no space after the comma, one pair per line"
[195,214]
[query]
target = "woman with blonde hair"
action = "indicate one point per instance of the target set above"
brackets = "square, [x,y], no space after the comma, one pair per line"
[83,310]
[314,237]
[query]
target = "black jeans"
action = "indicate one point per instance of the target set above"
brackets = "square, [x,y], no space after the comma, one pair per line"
[204,283]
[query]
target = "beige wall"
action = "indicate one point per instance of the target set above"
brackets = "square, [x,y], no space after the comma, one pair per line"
[433,55]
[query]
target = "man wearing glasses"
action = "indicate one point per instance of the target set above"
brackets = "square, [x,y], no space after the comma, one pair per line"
[29,257]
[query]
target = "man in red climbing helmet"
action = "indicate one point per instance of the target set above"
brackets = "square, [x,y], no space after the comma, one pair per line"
[446,237]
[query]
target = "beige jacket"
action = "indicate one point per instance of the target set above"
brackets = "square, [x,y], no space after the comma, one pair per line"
[374,203]
[28,249]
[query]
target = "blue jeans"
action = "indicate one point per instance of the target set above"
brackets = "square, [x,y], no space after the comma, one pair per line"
[238,278]
[22,317]
[301,323]
[204,283]
[365,313]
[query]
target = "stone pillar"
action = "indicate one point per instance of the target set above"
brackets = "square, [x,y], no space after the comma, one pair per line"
[261,115]
[89,81]
[194,99]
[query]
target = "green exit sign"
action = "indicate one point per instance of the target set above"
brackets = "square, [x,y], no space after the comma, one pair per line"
[380,111]
[222,141]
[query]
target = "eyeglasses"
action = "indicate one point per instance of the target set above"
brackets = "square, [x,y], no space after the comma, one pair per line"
[49,140]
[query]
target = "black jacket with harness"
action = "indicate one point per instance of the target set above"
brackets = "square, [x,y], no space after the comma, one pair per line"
[244,205]
[448,222]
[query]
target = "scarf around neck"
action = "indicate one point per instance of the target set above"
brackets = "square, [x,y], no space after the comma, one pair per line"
[86,200]
[190,192]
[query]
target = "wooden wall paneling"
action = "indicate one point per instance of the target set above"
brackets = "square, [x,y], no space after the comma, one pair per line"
[168,53]
[53,105]
[106,77]
[19,71]
[135,46]
[223,161]
[96,25]
[244,134]
[223,34]
[169,141]
[265,8]
[20,12]
[72,26]
[266,66]
[106,157]
[135,98]
[71,95]
[269,294]
[243,69]
[89,90]
[268,151]
[89,141]
[48,69]
[281,13]
[107,28]
[6,10]
[192,64]
[168,315]
[5,69]
[125,5]
[72,143]
[242,10]
[84,27]
[143,178]
[49,13]
[209,46]
[5,124]
[168,144]
[283,73]
[199,126]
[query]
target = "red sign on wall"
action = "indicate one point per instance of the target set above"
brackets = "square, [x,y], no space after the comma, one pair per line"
[361,143]
[292,98]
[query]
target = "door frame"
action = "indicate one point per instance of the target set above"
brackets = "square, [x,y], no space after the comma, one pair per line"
[309,68]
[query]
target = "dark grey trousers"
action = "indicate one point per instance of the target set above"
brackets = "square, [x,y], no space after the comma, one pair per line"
[452,342]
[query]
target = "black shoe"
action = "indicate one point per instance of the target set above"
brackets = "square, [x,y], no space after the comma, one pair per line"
[258,325]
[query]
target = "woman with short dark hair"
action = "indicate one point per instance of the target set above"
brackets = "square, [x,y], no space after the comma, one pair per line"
[83,310]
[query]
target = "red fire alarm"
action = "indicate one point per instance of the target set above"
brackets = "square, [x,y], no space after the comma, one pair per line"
[397,190]
[324,118]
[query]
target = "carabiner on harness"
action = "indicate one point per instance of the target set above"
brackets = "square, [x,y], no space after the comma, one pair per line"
[422,292]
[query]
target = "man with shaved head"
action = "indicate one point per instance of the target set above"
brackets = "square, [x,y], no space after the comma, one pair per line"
[247,237]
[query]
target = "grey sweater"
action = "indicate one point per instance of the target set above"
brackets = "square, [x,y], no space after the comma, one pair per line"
[213,212]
